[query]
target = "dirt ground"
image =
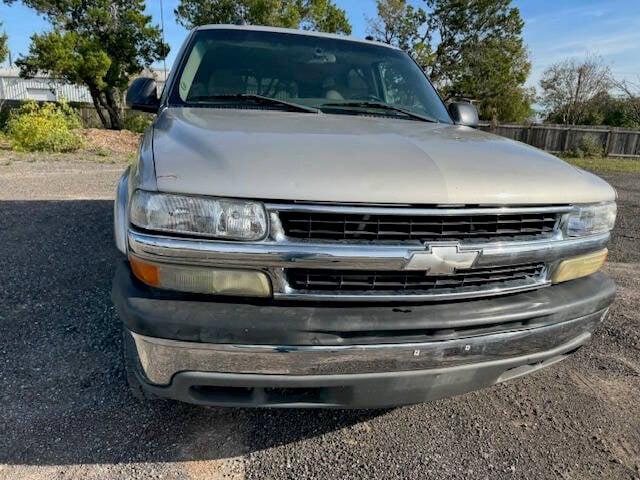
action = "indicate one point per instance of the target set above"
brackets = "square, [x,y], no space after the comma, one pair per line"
[100,146]
[67,414]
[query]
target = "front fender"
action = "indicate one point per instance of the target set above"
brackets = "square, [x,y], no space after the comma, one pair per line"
[141,174]
[120,212]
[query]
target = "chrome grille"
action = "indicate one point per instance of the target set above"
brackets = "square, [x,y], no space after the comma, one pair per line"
[318,225]
[412,281]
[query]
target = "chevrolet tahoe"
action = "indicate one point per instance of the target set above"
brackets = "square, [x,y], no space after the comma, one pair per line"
[308,224]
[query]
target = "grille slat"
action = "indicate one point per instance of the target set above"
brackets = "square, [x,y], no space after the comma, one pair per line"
[372,228]
[417,281]
[412,221]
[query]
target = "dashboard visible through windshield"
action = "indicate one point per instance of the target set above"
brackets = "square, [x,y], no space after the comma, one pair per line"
[263,69]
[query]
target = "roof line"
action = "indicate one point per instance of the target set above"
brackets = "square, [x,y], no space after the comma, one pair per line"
[308,33]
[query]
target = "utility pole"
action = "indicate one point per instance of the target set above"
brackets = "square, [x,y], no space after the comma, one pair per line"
[164,48]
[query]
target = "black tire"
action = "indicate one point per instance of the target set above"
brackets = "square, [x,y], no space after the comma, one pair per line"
[132,367]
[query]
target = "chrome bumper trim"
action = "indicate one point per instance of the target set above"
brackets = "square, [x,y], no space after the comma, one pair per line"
[284,254]
[274,256]
[161,358]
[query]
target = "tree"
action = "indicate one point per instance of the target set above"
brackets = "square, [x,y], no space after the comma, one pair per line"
[631,95]
[4,49]
[469,48]
[321,15]
[4,53]
[101,44]
[619,107]
[401,24]
[570,88]
[495,75]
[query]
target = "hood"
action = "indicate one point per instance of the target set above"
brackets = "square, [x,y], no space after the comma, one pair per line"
[277,155]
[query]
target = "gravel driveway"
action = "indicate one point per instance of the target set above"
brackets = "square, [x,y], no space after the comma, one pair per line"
[67,414]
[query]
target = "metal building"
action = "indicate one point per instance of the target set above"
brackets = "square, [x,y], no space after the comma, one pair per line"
[42,88]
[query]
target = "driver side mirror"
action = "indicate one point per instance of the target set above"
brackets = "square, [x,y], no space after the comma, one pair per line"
[143,95]
[464,113]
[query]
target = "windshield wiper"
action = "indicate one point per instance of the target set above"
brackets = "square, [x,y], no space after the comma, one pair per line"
[381,106]
[260,99]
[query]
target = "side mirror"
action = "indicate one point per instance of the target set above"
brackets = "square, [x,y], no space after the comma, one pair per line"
[464,113]
[143,95]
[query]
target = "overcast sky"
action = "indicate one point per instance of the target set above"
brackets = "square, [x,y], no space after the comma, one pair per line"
[555,29]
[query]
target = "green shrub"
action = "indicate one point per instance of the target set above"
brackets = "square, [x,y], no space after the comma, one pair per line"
[137,122]
[588,146]
[46,128]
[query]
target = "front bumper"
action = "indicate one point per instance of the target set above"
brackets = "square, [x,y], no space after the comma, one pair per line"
[270,354]
[363,390]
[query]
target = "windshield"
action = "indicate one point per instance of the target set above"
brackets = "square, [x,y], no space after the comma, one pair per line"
[225,67]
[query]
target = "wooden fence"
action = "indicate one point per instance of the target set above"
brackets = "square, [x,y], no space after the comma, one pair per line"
[615,142]
[90,119]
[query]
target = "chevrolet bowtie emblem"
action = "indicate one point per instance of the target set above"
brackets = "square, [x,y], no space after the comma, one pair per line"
[442,259]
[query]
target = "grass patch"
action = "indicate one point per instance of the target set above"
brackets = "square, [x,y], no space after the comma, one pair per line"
[606,164]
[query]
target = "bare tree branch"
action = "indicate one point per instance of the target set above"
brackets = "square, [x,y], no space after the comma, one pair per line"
[631,92]
[568,87]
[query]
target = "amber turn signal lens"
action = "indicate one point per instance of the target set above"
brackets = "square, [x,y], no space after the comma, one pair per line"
[578,267]
[145,272]
[207,280]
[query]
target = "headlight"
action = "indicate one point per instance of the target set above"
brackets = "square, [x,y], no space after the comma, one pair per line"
[591,219]
[200,216]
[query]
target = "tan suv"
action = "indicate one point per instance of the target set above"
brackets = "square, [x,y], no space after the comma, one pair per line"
[308,225]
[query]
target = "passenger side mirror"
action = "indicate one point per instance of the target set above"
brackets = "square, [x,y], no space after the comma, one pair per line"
[464,113]
[143,95]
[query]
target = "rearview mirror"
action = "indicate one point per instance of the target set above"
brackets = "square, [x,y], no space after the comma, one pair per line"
[143,95]
[464,113]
